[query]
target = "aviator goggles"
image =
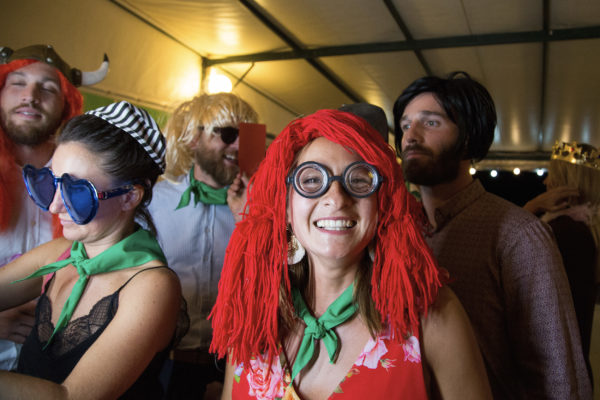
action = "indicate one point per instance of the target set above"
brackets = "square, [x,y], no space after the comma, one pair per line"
[79,195]
[311,179]
[228,133]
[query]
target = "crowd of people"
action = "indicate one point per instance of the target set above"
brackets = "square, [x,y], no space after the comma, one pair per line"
[139,263]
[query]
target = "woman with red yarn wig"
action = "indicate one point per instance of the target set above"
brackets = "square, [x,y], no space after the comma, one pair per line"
[328,288]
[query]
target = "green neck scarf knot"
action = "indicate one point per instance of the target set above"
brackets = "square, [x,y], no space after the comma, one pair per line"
[337,313]
[136,249]
[202,193]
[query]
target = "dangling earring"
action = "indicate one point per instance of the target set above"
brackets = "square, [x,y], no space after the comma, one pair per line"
[371,250]
[295,250]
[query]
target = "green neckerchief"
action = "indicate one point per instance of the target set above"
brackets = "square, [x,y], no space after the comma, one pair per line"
[136,249]
[337,313]
[202,192]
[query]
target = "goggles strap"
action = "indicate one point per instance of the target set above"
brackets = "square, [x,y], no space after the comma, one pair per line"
[202,193]
[136,249]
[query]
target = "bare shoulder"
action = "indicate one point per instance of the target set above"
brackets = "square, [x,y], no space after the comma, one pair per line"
[50,251]
[446,322]
[150,299]
[444,310]
[451,351]
[154,277]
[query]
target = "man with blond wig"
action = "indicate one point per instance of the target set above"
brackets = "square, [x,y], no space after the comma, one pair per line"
[195,217]
[38,94]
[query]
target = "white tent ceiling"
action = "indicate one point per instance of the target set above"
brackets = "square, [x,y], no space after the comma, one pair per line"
[539,59]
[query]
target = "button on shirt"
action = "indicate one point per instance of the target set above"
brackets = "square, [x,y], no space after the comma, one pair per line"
[194,239]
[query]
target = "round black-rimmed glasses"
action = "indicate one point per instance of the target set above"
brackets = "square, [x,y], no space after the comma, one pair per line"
[311,179]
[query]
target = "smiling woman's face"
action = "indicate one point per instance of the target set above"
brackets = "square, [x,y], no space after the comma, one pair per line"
[335,226]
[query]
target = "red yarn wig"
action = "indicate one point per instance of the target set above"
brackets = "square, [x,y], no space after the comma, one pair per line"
[10,172]
[405,277]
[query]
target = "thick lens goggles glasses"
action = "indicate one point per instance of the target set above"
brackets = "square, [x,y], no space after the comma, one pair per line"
[311,179]
[228,133]
[79,195]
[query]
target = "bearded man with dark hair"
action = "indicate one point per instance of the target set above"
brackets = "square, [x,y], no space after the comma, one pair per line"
[504,264]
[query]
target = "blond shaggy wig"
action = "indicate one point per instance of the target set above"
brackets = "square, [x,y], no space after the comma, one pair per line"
[207,111]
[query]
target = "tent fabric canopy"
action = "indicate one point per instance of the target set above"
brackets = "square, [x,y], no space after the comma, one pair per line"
[289,58]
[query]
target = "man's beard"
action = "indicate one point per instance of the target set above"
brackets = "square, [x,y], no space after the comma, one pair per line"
[30,134]
[439,169]
[214,165]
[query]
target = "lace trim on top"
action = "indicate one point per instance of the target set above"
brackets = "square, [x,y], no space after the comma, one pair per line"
[78,330]
[90,326]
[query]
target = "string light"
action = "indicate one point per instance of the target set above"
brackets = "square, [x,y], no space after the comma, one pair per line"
[493,173]
[517,171]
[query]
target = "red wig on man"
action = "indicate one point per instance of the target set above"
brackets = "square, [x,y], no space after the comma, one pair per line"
[10,171]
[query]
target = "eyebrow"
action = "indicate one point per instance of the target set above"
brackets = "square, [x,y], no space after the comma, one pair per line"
[45,78]
[427,113]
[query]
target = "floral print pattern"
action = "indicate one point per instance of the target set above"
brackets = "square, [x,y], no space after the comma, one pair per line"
[265,381]
[412,350]
[272,381]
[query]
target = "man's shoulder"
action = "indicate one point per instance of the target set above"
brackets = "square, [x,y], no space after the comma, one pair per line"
[166,194]
[514,223]
[165,182]
[499,215]
[505,209]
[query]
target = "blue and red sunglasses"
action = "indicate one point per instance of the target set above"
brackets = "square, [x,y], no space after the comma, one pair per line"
[79,195]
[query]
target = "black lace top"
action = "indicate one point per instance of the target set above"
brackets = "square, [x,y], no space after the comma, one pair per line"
[57,361]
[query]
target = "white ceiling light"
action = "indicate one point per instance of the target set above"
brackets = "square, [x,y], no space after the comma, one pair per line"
[218,83]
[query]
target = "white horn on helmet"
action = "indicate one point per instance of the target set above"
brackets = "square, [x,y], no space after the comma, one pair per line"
[92,77]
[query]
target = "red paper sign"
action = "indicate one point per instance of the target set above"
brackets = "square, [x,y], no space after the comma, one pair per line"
[252,146]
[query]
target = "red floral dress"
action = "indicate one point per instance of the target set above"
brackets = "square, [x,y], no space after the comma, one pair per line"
[384,369]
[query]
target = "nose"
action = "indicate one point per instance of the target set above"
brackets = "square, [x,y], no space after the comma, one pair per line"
[412,134]
[57,206]
[336,196]
[30,93]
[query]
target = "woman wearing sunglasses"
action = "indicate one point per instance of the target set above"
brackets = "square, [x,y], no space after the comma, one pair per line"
[108,312]
[328,288]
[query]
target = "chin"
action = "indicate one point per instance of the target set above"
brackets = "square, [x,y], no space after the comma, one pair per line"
[72,231]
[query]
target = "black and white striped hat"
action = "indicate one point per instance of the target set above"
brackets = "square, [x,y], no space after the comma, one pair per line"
[137,123]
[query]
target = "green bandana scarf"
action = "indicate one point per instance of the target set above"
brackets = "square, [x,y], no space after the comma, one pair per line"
[202,192]
[136,249]
[337,313]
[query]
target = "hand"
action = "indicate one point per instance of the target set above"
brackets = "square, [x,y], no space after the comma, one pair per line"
[552,200]
[16,323]
[237,196]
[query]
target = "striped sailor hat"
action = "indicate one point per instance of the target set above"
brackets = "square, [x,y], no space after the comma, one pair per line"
[137,123]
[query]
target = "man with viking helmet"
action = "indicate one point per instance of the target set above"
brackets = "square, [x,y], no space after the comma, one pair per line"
[37,95]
